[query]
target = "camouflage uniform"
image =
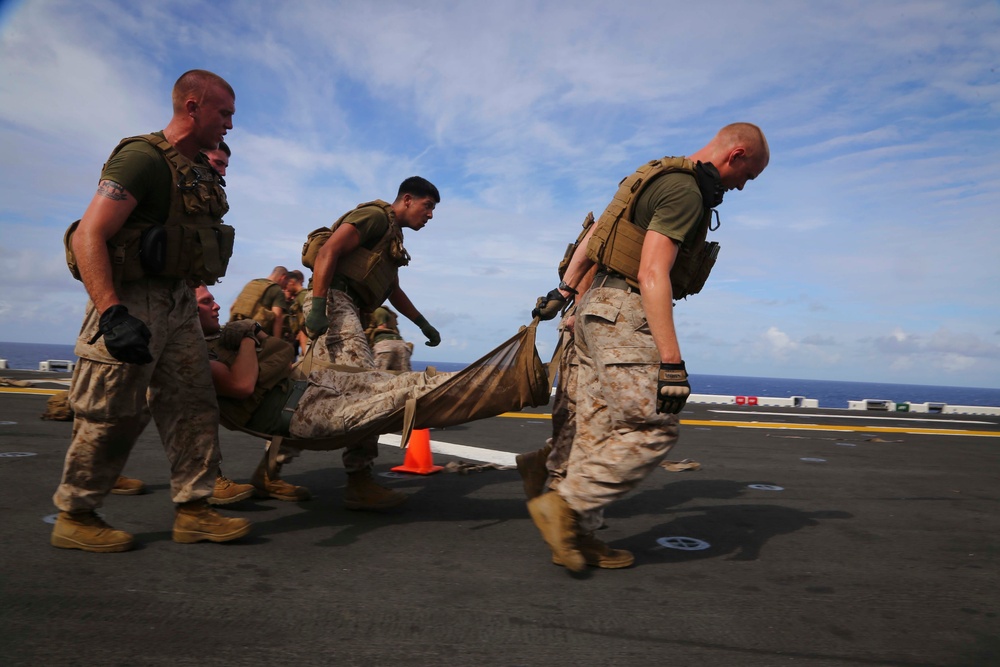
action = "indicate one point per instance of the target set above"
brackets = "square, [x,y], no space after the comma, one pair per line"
[345,344]
[563,406]
[110,399]
[336,403]
[392,355]
[620,438]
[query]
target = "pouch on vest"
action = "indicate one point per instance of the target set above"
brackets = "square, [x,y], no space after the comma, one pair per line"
[312,246]
[74,270]
[198,252]
[153,250]
[691,269]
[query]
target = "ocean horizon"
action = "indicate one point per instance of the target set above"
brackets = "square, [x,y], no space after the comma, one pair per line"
[829,393]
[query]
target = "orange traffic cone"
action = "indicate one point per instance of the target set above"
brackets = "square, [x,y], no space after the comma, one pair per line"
[418,454]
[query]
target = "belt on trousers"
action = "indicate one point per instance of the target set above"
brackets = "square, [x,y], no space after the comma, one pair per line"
[298,388]
[614,280]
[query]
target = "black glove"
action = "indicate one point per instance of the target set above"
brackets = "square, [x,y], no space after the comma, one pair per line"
[672,388]
[126,337]
[548,306]
[433,337]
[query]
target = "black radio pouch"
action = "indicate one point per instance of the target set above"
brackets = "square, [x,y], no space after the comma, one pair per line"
[153,250]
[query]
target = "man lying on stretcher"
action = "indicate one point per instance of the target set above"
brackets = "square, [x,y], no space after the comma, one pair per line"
[252,374]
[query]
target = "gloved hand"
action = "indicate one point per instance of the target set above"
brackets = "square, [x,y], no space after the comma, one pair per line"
[672,388]
[316,320]
[234,333]
[126,337]
[433,337]
[548,306]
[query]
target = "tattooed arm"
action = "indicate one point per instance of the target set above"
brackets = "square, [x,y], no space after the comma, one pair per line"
[107,212]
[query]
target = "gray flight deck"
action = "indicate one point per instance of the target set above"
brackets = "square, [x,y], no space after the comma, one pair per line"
[795,544]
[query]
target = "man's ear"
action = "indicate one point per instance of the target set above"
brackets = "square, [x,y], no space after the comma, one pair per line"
[191,106]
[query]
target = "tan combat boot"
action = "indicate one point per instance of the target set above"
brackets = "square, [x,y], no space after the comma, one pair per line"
[557,524]
[87,531]
[534,474]
[127,486]
[227,491]
[364,494]
[276,488]
[598,554]
[196,521]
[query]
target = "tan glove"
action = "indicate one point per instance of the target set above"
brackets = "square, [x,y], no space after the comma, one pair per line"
[234,332]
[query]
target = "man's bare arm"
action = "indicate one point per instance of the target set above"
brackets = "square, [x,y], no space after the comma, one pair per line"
[658,255]
[108,210]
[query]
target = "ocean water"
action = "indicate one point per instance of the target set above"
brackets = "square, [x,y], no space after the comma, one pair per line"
[829,393]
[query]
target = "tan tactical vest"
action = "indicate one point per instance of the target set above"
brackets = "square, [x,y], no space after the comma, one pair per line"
[249,304]
[274,361]
[370,274]
[616,244]
[191,244]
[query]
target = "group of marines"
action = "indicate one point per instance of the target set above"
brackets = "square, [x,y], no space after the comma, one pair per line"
[153,240]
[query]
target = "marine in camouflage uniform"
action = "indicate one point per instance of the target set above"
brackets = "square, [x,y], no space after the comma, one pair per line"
[390,350]
[632,381]
[140,340]
[370,229]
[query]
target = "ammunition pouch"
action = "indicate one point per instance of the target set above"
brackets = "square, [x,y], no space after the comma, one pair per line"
[311,247]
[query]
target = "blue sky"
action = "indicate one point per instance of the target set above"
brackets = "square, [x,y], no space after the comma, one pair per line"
[868,250]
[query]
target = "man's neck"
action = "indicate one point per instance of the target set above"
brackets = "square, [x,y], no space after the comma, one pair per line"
[181,139]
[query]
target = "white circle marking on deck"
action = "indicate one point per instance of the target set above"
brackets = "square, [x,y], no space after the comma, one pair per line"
[15,455]
[765,487]
[810,459]
[683,543]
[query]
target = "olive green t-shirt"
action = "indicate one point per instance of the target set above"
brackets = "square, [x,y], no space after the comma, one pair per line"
[140,168]
[274,296]
[372,223]
[671,205]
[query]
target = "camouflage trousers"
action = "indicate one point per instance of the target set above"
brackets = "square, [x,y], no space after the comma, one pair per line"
[392,355]
[563,406]
[110,398]
[620,438]
[337,404]
[345,344]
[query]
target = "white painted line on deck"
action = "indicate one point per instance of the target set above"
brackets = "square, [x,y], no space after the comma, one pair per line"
[463,452]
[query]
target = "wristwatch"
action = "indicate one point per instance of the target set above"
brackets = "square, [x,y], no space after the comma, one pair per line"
[566,288]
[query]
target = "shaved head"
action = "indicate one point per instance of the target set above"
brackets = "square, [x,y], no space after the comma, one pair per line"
[194,84]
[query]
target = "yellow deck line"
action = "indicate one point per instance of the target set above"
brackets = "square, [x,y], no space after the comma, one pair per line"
[805,427]
[701,422]
[29,390]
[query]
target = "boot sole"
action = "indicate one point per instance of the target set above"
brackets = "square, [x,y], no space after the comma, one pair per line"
[212,500]
[61,542]
[304,496]
[128,492]
[192,536]
[603,564]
